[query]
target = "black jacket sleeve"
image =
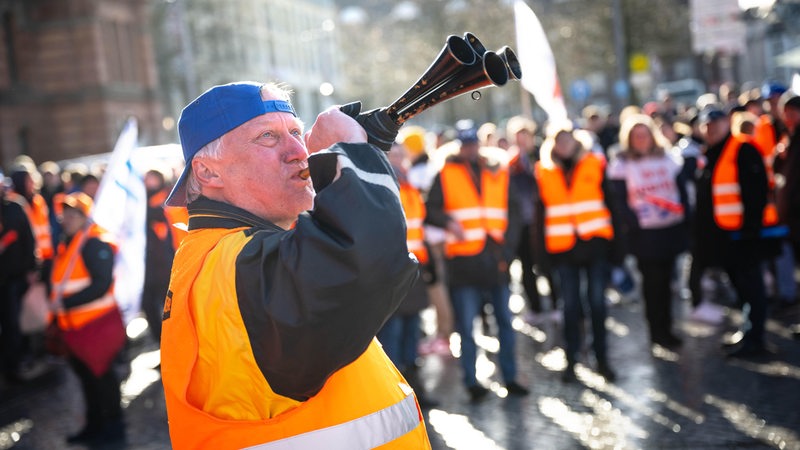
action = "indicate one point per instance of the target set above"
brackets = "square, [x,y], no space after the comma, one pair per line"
[313,298]
[434,205]
[754,187]
[626,221]
[618,243]
[18,257]
[99,260]
[513,234]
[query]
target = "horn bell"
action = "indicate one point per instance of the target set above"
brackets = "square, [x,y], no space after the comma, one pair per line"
[455,54]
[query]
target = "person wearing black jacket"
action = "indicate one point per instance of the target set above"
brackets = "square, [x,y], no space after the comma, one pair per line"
[17,261]
[787,165]
[471,277]
[650,198]
[739,252]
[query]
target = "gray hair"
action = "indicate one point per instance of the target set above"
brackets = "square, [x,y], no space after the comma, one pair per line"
[212,150]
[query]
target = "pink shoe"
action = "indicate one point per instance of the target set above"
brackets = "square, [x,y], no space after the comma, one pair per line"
[441,346]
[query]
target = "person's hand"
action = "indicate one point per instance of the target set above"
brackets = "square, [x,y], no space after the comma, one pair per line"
[455,228]
[331,127]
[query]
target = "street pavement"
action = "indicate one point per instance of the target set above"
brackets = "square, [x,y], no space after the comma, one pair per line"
[690,398]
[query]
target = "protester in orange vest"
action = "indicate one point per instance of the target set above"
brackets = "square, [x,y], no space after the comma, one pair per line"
[473,200]
[82,280]
[291,266]
[732,192]
[38,214]
[576,232]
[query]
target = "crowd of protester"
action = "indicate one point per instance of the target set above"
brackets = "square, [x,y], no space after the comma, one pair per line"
[583,206]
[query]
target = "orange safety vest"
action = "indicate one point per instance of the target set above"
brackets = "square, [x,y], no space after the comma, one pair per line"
[366,404]
[765,141]
[414,207]
[726,191]
[58,203]
[480,214]
[575,210]
[764,138]
[78,280]
[38,216]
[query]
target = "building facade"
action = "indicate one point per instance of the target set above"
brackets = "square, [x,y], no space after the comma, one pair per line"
[71,73]
[202,43]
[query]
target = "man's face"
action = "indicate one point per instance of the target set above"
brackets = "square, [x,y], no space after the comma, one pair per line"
[791,117]
[260,168]
[470,150]
[72,221]
[716,130]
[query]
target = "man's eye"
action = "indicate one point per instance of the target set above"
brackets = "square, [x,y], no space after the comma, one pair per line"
[297,133]
[268,134]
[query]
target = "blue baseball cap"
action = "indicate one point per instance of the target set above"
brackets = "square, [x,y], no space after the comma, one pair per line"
[213,114]
[466,131]
[711,114]
[772,89]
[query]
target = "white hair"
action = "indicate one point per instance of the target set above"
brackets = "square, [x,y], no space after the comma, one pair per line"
[212,150]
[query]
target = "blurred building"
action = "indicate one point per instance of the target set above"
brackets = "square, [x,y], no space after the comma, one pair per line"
[746,41]
[71,73]
[201,43]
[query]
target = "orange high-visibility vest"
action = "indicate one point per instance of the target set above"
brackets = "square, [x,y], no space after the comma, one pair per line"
[575,211]
[366,404]
[480,214]
[726,191]
[764,138]
[78,280]
[765,141]
[38,216]
[414,207]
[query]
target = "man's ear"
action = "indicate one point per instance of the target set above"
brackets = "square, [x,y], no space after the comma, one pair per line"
[206,173]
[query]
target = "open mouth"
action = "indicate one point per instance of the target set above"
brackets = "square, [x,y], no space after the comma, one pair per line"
[304,174]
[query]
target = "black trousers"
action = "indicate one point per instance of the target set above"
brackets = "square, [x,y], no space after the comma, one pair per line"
[101,394]
[12,292]
[656,277]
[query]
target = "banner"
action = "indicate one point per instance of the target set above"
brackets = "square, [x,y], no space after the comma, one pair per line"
[539,76]
[120,207]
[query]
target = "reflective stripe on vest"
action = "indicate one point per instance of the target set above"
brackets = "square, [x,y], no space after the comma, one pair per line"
[577,211]
[39,221]
[40,224]
[363,433]
[414,209]
[480,214]
[726,192]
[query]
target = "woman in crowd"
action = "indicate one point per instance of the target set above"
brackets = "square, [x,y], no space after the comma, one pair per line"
[649,198]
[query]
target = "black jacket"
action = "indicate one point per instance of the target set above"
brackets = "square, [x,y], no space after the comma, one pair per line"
[788,195]
[15,230]
[717,246]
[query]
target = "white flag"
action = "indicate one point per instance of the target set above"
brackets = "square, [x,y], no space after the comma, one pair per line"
[539,76]
[120,208]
